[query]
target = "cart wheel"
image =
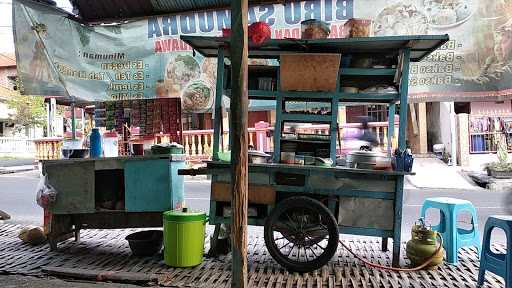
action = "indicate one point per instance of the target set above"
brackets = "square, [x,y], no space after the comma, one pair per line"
[301,234]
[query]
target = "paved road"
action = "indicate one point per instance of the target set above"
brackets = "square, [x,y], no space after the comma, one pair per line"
[17,197]
[8,162]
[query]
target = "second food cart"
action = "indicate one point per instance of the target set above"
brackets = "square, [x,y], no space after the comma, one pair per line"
[303,208]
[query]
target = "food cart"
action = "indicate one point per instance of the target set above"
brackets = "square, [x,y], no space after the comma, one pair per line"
[303,208]
[127,191]
[111,193]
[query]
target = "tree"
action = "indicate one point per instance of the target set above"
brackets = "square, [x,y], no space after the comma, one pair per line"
[28,111]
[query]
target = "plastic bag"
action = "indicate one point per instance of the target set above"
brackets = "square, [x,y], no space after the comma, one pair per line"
[45,193]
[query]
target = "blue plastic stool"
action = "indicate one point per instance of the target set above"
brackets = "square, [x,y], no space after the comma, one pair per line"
[453,238]
[499,264]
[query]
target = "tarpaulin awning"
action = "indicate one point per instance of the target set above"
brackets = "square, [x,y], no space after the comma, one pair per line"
[145,58]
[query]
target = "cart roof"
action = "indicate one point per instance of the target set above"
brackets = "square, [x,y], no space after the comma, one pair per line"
[421,45]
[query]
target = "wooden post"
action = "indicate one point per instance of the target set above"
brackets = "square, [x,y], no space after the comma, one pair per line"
[404,92]
[391,127]
[414,119]
[73,121]
[239,167]
[422,125]
[217,121]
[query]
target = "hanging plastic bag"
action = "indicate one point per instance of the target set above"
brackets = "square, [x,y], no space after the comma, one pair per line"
[45,193]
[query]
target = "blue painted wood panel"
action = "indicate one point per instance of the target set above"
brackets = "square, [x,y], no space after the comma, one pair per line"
[74,182]
[177,184]
[147,185]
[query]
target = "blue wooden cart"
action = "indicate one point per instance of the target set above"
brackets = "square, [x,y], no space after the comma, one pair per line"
[303,208]
[111,193]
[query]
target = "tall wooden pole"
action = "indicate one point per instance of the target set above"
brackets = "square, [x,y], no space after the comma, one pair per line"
[239,170]
[73,121]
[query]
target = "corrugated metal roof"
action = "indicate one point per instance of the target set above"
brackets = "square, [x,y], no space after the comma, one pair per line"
[185,5]
[112,10]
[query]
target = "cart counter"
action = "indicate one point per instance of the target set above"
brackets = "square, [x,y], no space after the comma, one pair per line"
[131,184]
[365,202]
[111,193]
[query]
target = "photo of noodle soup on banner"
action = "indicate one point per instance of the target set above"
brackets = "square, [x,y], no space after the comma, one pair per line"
[180,70]
[448,13]
[197,97]
[418,17]
[401,19]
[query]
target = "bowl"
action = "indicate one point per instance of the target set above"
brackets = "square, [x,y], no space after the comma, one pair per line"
[75,153]
[145,243]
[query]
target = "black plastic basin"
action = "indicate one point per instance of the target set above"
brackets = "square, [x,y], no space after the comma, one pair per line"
[145,243]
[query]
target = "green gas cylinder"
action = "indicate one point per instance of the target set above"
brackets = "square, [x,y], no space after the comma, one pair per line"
[423,245]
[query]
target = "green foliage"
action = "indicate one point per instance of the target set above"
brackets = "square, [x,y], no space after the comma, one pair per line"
[502,165]
[28,110]
[502,152]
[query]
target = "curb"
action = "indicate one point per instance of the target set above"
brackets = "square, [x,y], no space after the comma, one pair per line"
[2,172]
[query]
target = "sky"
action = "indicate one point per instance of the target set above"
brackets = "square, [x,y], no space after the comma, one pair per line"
[6,41]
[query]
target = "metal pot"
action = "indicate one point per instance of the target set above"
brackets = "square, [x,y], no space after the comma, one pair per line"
[75,153]
[365,159]
[258,157]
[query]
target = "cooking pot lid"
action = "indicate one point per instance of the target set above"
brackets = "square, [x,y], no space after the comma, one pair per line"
[184,215]
[364,153]
[257,153]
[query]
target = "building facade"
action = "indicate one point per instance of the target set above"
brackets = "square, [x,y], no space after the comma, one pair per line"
[7,92]
[7,70]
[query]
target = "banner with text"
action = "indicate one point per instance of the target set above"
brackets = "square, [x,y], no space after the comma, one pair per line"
[146,58]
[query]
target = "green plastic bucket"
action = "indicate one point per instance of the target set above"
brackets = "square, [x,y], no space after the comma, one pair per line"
[184,238]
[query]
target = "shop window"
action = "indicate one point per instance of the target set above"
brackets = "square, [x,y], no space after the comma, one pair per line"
[354,113]
[485,133]
[378,113]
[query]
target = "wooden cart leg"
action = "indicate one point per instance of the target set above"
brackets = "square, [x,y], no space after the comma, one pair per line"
[77,233]
[384,244]
[52,241]
[213,242]
[396,253]
[60,229]
[219,244]
[53,228]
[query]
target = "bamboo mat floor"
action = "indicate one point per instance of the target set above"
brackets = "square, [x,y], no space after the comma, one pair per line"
[107,250]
